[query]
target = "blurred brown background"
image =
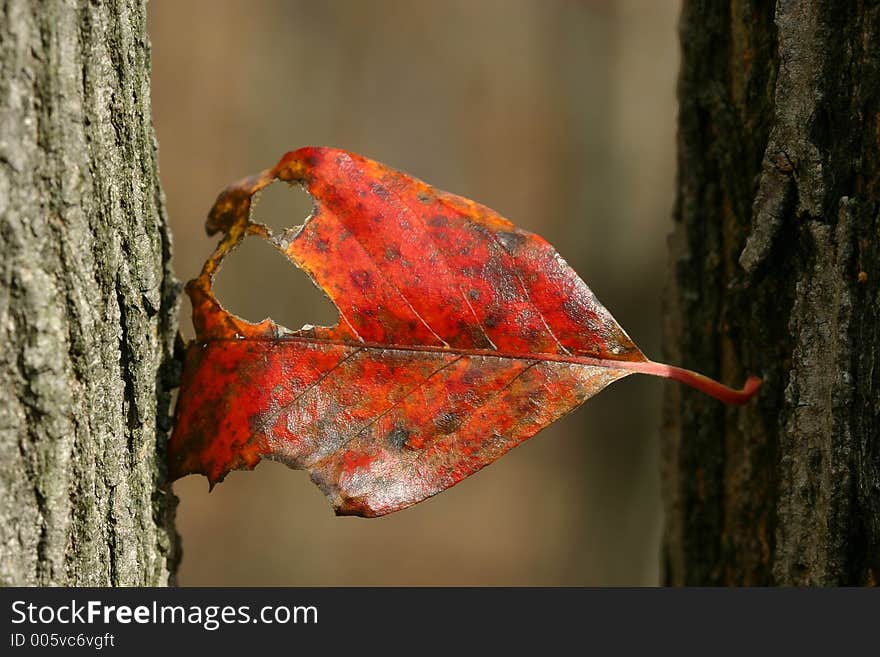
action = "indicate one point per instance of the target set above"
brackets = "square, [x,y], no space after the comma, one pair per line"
[558,114]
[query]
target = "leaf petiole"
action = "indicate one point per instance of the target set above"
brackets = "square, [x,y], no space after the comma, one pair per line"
[693,379]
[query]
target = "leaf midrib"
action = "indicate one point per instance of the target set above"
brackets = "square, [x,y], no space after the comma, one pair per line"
[609,363]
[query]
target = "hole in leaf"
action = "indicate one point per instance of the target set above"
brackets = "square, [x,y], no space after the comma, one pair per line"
[281,206]
[256,281]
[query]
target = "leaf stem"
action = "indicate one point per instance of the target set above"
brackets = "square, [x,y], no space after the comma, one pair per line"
[695,380]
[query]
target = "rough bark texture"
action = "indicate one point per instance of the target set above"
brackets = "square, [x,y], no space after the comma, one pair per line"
[775,270]
[87,301]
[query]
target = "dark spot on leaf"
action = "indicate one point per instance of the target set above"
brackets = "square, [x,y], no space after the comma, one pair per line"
[470,376]
[322,245]
[503,281]
[474,295]
[447,422]
[355,506]
[380,191]
[392,253]
[491,321]
[363,279]
[573,309]
[438,220]
[424,198]
[511,241]
[311,161]
[398,437]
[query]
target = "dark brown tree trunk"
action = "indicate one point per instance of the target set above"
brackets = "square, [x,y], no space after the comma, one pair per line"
[775,270]
[87,301]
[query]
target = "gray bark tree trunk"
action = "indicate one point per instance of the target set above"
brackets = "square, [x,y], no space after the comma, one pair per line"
[87,301]
[775,270]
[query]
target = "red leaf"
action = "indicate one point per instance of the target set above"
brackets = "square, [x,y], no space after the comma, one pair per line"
[460,336]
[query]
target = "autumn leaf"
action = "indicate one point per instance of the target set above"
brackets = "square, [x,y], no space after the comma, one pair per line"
[459,336]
